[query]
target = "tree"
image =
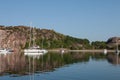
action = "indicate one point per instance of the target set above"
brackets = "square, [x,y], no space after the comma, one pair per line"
[99,44]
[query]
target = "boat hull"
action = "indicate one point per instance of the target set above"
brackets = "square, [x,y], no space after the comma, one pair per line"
[35,51]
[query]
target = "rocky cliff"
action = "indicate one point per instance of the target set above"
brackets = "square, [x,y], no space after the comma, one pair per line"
[113,41]
[18,37]
[10,38]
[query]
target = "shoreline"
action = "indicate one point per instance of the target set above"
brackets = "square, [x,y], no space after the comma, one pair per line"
[86,50]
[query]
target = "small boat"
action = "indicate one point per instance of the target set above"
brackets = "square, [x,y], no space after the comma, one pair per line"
[62,51]
[105,51]
[5,51]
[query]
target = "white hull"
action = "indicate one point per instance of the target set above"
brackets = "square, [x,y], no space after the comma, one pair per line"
[35,51]
[33,54]
[4,51]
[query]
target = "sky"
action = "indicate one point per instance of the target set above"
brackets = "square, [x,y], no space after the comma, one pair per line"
[91,19]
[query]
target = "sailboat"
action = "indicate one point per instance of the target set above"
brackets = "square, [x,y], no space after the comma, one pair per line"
[34,50]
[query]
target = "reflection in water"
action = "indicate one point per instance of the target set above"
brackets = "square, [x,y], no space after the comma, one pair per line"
[20,64]
[12,63]
[114,59]
[51,61]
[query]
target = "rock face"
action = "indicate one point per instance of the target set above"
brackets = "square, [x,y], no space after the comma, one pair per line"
[18,38]
[113,41]
[11,39]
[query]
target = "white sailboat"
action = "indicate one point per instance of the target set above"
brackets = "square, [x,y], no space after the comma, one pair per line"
[34,50]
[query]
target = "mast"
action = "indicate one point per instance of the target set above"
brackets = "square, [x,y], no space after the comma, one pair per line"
[30,35]
[33,36]
[42,43]
[117,49]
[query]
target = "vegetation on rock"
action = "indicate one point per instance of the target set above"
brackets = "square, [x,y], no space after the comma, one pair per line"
[18,37]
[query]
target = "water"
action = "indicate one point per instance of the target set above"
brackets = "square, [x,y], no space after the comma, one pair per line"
[70,66]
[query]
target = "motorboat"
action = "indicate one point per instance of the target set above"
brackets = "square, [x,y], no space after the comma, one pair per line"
[5,51]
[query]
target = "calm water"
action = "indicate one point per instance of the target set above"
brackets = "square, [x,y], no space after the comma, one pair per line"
[55,66]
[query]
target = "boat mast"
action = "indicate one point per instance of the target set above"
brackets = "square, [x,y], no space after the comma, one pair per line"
[42,43]
[33,36]
[117,49]
[30,35]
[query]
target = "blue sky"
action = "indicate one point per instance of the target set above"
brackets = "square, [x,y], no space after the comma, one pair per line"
[91,19]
